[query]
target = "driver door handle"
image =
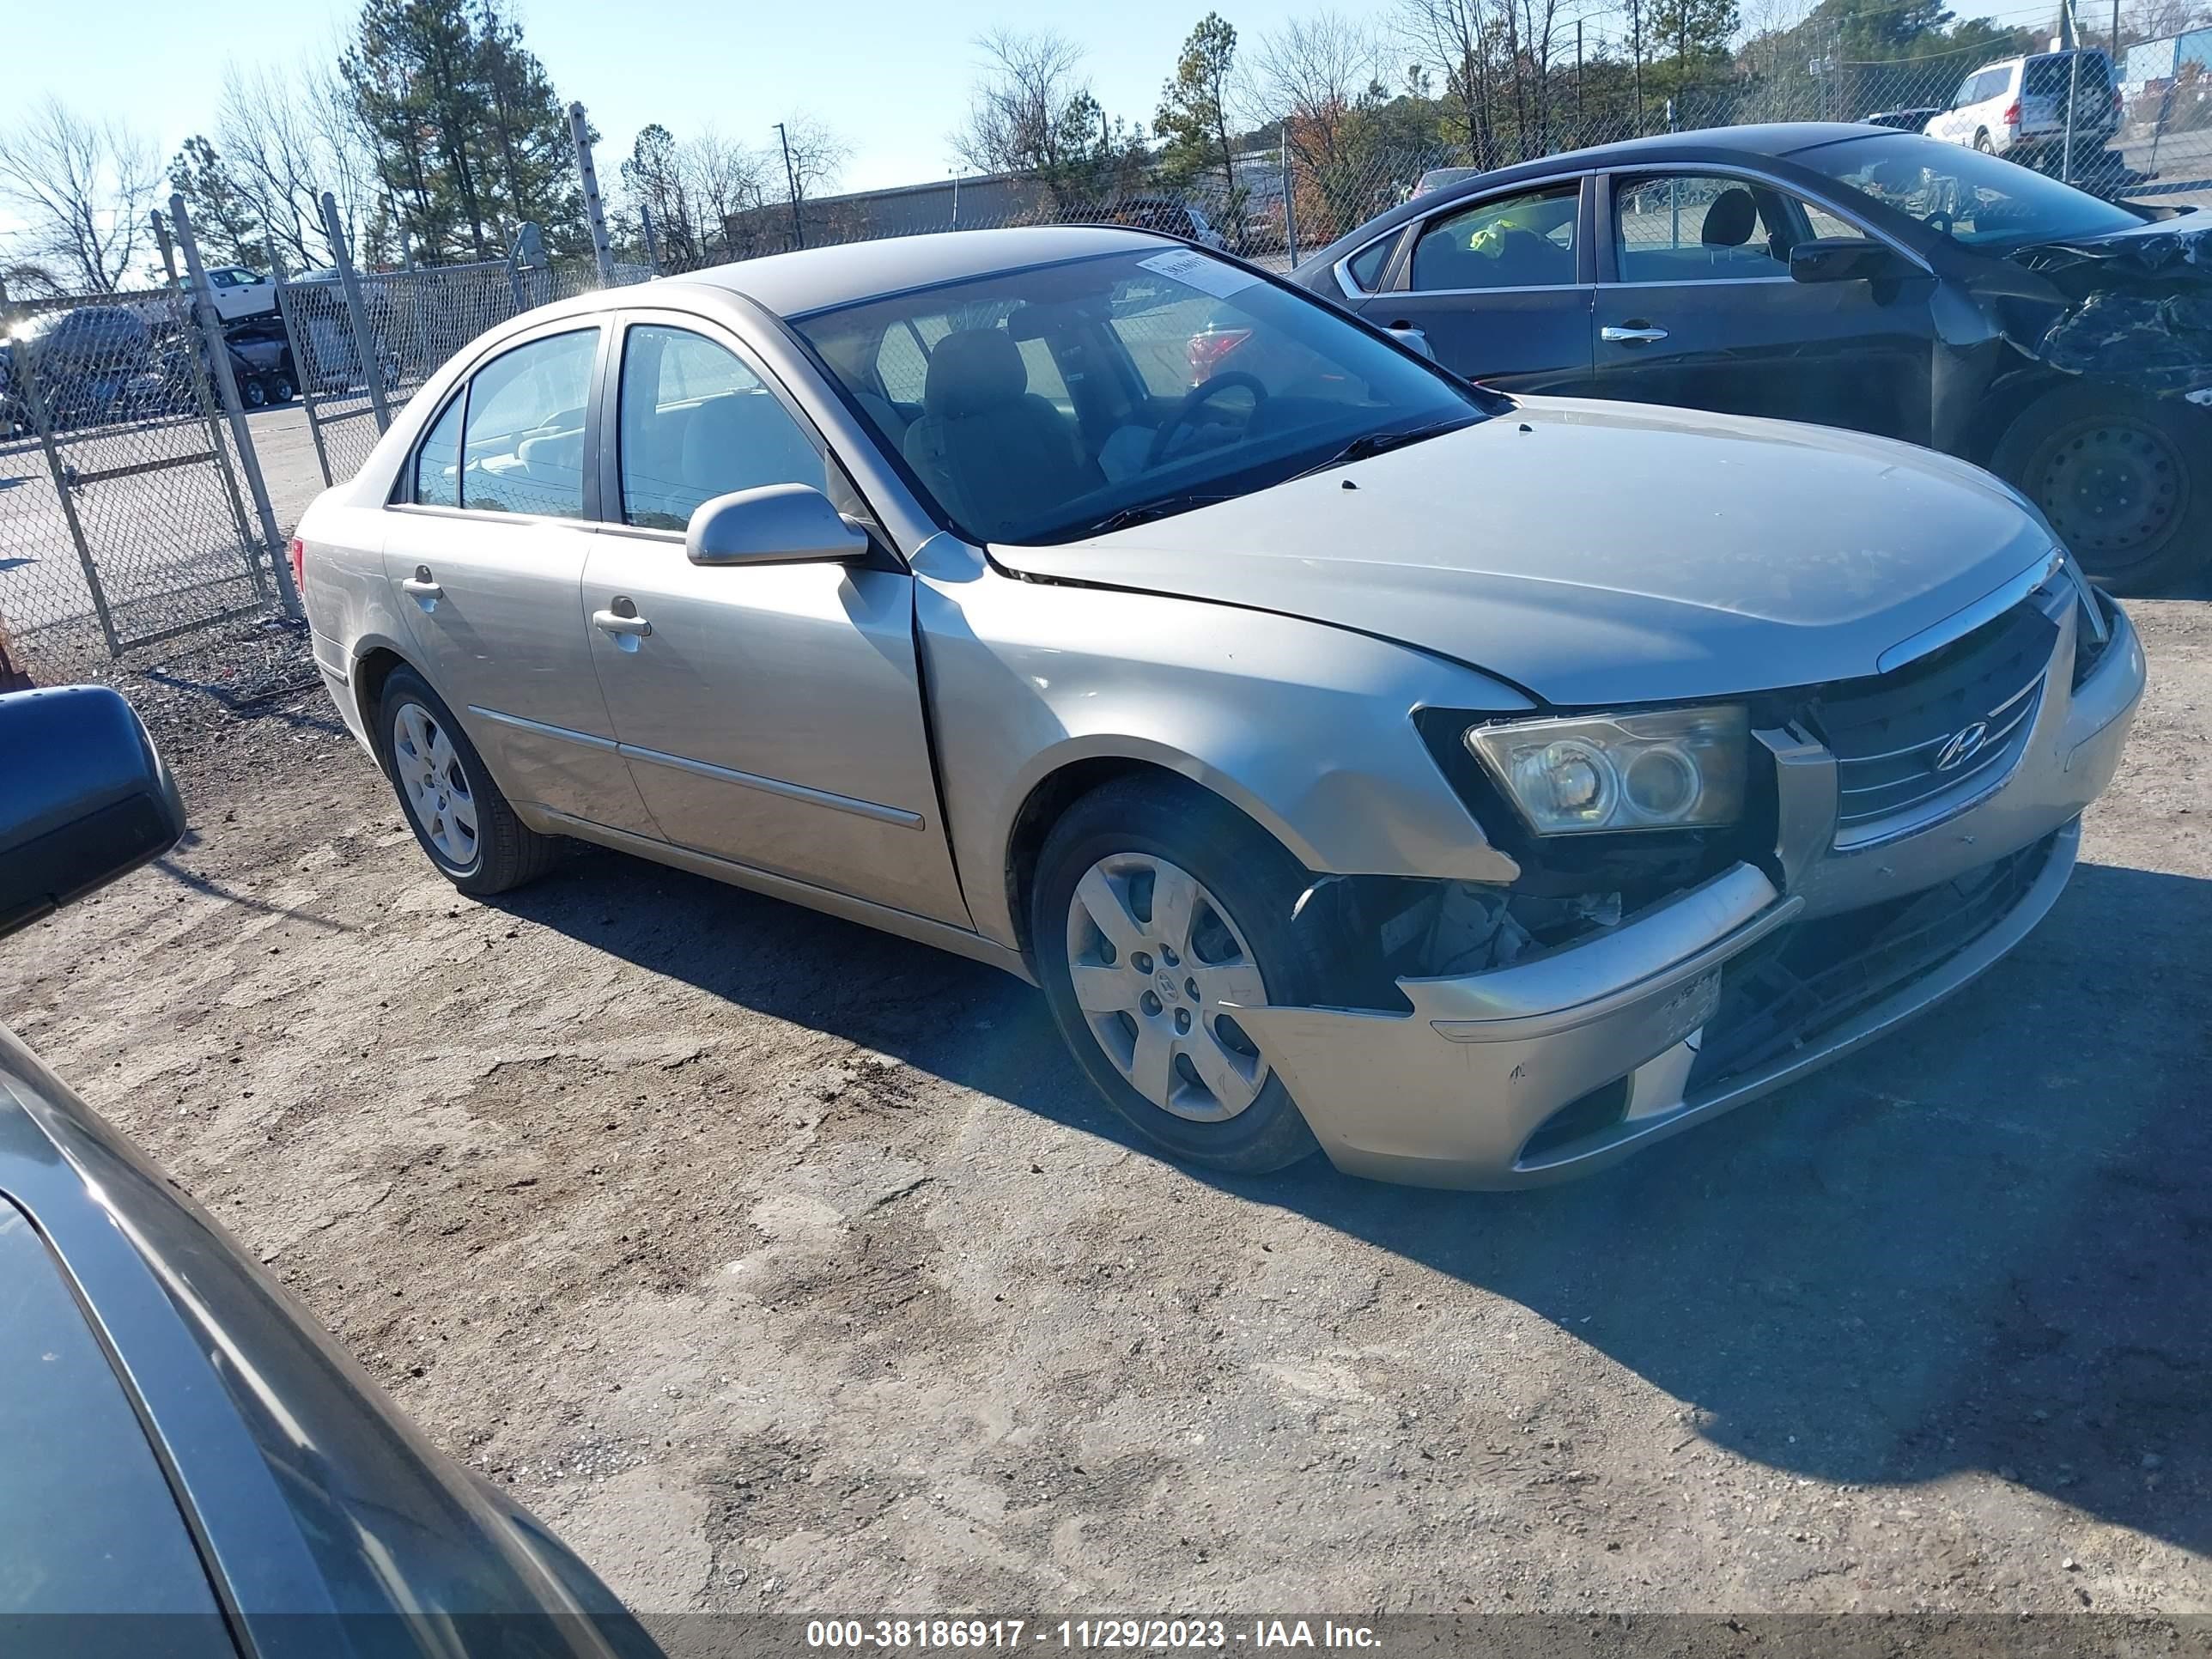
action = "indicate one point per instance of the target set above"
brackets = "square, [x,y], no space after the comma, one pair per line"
[613,622]
[1612,336]
[420,584]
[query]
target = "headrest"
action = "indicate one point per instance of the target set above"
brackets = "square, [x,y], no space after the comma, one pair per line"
[973,369]
[1730,219]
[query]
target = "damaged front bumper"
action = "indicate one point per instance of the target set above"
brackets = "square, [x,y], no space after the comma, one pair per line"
[1561,1063]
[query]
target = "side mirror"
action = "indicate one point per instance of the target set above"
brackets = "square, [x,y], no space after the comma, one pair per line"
[88,799]
[777,524]
[1846,260]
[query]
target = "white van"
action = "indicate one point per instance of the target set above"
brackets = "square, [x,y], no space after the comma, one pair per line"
[2017,107]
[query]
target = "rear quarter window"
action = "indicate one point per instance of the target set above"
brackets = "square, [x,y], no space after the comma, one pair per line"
[1365,267]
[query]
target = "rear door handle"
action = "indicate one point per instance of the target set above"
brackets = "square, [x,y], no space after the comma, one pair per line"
[614,622]
[1612,336]
[422,589]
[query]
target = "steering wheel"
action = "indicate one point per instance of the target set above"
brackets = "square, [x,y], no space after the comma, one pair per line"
[1944,214]
[1197,399]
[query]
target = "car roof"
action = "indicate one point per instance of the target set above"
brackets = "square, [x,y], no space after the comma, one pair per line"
[820,278]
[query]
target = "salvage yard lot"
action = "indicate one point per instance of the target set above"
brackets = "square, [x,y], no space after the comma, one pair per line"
[782,1265]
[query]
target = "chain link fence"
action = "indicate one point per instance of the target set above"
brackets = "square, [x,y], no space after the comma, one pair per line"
[122,521]
[362,357]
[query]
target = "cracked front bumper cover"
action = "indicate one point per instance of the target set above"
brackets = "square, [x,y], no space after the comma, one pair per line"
[1456,1092]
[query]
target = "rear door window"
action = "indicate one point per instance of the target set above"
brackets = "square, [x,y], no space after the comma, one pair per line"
[523,451]
[1526,241]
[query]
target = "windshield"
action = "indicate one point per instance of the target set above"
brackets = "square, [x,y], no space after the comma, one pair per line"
[1051,403]
[1978,201]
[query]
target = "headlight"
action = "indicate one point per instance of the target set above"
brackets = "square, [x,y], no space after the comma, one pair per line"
[1673,768]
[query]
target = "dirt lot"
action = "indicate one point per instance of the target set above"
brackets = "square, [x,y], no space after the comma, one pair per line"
[783,1266]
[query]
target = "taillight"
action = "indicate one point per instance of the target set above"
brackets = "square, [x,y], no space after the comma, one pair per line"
[1208,350]
[2012,113]
[298,552]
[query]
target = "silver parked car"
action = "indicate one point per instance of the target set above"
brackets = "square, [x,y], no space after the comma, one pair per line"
[1476,787]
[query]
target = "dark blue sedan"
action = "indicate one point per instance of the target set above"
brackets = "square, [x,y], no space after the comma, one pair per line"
[1853,276]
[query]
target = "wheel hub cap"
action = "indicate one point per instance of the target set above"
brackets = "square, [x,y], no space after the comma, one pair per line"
[1159,970]
[435,785]
[2113,490]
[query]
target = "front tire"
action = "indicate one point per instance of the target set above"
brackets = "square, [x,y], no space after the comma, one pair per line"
[2125,481]
[456,812]
[1156,911]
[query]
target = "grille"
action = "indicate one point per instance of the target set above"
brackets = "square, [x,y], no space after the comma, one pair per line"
[1806,978]
[1903,740]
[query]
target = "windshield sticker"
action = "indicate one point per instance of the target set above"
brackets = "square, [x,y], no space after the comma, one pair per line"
[1195,270]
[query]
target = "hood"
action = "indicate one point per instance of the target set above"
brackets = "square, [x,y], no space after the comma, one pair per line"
[2156,244]
[1603,553]
[2137,306]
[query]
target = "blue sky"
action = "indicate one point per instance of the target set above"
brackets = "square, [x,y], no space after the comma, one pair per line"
[889,75]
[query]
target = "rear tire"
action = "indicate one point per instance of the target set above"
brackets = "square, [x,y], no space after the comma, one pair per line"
[282,391]
[1213,1100]
[2125,481]
[447,793]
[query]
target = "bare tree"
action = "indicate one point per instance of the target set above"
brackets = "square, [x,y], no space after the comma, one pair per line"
[1018,112]
[1459,37]
[1321,77]
[2155,20]
[726,179]
[285,138]
[1539,33]
[1315,74]
[815,155]
[83,191]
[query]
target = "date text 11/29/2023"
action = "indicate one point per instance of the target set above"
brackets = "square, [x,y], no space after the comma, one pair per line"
[1141,1635]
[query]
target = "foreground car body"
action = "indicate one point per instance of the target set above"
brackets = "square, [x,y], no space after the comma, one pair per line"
[1346,770]
[194,1467]
[1853,276]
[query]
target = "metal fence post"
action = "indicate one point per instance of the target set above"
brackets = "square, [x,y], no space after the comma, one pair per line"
[204,396]
[364,341]
[35,399]
[595,211]
[1290,208]
[227,383]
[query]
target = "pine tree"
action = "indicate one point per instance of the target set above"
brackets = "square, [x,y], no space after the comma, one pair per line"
[469,137]
[224,220]
[1194,114]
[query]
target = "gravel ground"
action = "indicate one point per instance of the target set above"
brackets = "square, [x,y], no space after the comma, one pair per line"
[783,1266]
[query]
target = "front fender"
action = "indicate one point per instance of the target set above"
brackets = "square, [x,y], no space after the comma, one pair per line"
[1306,728]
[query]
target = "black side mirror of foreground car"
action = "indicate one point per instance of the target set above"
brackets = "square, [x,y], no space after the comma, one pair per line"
[1846,260]
[84,797]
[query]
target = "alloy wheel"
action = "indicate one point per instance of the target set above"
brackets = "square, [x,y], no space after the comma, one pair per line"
[1156,963]
[435,784]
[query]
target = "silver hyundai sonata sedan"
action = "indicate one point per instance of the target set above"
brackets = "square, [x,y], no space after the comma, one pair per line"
[1477,789]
